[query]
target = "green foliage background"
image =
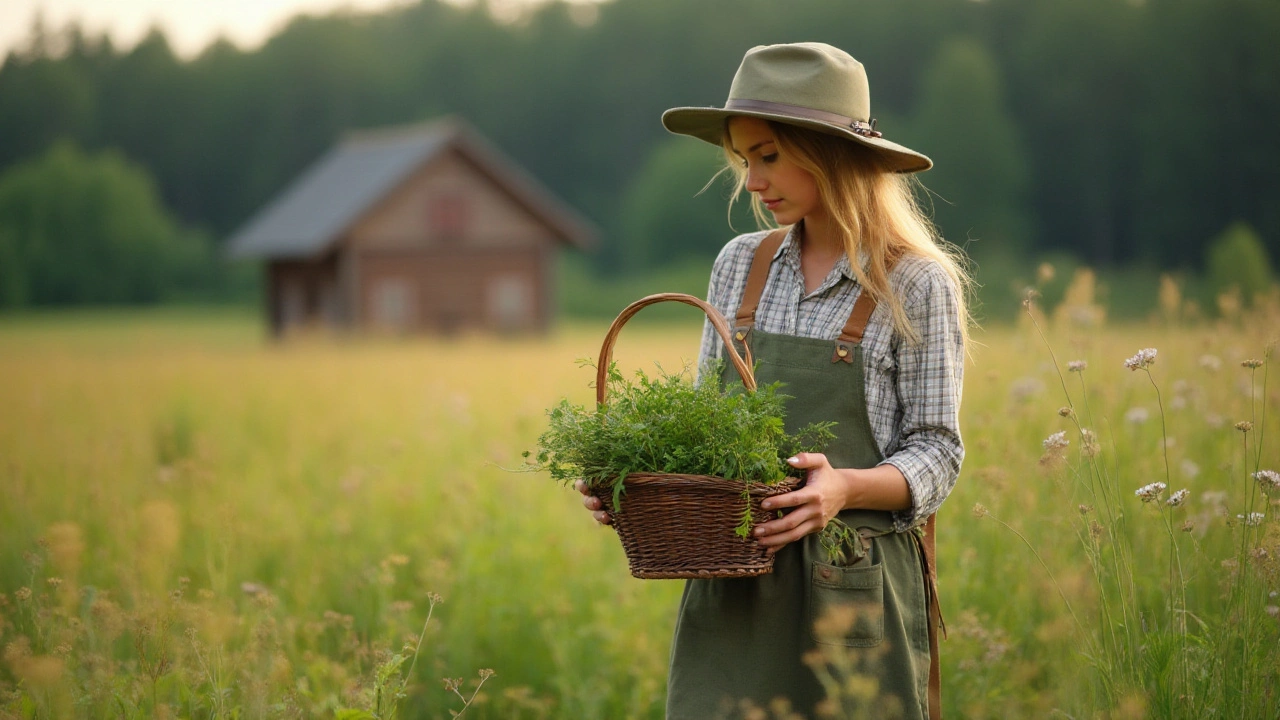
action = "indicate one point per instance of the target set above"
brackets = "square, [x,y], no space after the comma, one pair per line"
[78,228]
[1126,134]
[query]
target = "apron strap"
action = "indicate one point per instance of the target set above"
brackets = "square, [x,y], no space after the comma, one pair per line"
[854,328]
[756,278]
[936,623]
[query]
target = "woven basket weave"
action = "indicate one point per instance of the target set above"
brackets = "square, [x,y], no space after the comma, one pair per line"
[682,526]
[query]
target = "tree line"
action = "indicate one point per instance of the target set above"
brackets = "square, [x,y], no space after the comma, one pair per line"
[1118,131]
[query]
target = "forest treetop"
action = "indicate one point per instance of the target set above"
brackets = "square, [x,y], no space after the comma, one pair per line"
[1117,130]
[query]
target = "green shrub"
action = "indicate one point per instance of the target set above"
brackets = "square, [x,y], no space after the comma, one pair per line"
[1237,259]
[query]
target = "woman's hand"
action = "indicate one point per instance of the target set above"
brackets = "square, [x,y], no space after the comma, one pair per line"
[592,503]
[825,493]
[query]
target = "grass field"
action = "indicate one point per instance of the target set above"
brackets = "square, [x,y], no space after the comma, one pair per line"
[198,523]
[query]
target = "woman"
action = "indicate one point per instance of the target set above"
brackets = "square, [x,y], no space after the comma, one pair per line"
[876,346]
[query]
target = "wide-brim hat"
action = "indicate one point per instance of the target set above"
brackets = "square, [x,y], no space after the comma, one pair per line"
[812,85]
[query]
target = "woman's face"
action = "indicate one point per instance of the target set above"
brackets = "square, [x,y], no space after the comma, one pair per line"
[786,189]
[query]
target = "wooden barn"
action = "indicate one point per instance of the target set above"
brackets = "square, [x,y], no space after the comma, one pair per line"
[425,228]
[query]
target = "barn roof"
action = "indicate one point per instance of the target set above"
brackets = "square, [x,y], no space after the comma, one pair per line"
[314,210]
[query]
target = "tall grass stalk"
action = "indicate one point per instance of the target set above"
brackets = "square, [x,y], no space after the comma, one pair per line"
[1119,660]
[1177,582]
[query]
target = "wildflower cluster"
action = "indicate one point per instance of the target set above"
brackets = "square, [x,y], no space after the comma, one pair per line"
[1142,360]
[1056,441]
[1268,480]
[1253,519]
[1129,616]
[1151,492]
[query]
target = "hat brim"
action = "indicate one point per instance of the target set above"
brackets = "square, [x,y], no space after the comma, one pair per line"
[707,124]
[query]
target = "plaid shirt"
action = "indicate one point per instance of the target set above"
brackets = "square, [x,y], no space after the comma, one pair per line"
[913,392]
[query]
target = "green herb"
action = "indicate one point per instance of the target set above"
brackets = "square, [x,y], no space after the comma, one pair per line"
[841,543]
[668,424]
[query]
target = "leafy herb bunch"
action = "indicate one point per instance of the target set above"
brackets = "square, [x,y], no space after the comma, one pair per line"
[668,424]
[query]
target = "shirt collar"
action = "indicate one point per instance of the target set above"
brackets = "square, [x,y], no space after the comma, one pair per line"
[790,251]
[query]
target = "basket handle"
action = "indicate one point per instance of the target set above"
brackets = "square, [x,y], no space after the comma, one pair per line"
[717,321]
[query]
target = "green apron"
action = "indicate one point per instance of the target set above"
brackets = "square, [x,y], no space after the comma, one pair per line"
[862,627]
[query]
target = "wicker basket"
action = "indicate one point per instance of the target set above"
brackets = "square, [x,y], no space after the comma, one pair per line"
[682,526]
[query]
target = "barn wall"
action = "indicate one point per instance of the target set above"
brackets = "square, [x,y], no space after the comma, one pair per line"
[449,203]
[304,293]
[454,289]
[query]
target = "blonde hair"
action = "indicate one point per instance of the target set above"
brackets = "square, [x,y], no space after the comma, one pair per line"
[875,209]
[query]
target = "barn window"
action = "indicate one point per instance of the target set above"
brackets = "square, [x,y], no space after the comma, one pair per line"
[449,214]
[511,301]
[393,304]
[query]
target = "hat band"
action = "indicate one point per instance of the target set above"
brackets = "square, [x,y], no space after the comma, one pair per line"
[857,126]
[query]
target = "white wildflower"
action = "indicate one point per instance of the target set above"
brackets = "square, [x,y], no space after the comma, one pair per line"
[1178,498]
[1137,416]
[1254,519]
[1212,363]
[1144,359]
[1190,469]
[1269,480]
[1056,441]
[1150,493]
[1077,366]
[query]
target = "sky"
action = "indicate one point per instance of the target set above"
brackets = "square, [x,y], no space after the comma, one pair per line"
[190,25]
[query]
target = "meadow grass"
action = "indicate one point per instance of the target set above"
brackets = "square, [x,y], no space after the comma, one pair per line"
[196,522]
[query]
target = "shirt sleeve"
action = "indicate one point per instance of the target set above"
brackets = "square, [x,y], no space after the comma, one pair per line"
[929,376]
[724,291]
[711,342]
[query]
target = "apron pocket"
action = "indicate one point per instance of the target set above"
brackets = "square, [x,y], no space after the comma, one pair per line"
[846,605]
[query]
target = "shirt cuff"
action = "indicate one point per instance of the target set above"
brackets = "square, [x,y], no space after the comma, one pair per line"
[916,471]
